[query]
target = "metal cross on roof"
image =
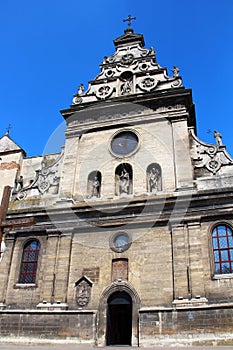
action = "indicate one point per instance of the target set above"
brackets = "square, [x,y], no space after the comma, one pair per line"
[129,20]
[8,129]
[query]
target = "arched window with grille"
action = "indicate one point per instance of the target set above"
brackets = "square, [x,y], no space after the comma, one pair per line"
[222,239]
[29,262]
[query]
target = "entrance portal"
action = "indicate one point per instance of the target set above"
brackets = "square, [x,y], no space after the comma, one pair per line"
[119,319]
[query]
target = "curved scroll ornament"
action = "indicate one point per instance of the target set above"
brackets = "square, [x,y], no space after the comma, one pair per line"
[148,84]
[210,159]
[77,100]
[177,83]
[104,92]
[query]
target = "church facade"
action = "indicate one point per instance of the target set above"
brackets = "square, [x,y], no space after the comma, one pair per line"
[125,237]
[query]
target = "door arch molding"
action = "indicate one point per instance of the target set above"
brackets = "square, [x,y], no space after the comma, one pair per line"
[101,324]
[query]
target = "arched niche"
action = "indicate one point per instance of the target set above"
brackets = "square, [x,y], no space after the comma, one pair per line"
[154,178]
[94,184]
[124,179]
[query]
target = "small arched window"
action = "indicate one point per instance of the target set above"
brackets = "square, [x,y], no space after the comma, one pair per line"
[29,262]
[222,239]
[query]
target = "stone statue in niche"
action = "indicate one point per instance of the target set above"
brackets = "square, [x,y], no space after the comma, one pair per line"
[83,293]
[126,88]
[218,138]
[154,178]
[124,183]
[94,184]
[95,187]
[123,179]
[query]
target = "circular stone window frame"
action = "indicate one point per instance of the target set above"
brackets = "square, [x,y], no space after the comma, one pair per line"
[113,238]
[121,156]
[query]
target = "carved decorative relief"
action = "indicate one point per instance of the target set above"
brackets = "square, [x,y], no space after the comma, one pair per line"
[104,92]
[127,59]
[46,181]
[209,157]
[148,84]
[126,88]
[83,291]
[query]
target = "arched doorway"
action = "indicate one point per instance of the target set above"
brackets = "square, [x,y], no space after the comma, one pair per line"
[110,296]
[119,319]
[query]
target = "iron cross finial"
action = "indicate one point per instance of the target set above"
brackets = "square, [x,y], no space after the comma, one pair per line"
[8,129]
[129,20]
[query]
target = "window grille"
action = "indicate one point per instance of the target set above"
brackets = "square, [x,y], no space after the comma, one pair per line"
[222,239]
[29,262]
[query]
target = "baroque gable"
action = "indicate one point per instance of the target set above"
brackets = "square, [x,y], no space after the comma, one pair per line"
[132,69]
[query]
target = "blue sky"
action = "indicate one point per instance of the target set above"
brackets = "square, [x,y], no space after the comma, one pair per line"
[49,47]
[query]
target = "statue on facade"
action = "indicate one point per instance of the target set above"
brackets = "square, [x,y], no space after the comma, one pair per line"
[218,138]
[175,71]
[126,88]
[18,184]
[154,176]
[2,248]
[80,89]
[95,187]
[124,184]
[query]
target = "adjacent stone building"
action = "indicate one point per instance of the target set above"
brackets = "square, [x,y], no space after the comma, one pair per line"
[125,237]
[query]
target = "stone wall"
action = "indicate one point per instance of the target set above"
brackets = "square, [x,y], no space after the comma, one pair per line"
[203,326]
[36,324]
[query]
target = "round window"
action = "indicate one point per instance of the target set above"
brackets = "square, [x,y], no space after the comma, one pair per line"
[124,143]
[120,242]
